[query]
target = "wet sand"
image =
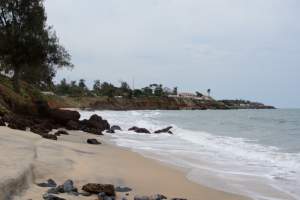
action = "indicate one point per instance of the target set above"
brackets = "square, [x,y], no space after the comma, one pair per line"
[36,160]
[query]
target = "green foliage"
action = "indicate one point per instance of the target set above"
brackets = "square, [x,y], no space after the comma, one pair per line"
[97,87]
[28,46]
[175,91]
[106,89]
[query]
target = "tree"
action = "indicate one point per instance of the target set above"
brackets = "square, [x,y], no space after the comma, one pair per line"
[124,87]
[137,93]
[108,89]
[199,94]
[82,84]
[147,91]
[175,90]
[97,87]
[28,46]
[208,92]
[158,91]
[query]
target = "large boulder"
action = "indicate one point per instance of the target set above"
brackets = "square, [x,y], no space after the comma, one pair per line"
[64,116]
[95,188]
[40,129]
[97,122]
[43,108]
[73,125]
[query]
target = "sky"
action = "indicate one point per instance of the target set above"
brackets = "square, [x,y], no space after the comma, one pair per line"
[240,49]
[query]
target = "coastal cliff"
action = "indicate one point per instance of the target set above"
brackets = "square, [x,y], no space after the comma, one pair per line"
[153,103]
[25,102]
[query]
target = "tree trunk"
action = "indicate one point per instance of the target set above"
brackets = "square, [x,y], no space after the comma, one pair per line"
[16,80]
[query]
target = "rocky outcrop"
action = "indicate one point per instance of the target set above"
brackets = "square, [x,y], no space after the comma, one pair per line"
[163,103]
[243,104]
[139,130]
[63,116]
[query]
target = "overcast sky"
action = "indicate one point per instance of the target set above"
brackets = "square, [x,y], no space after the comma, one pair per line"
[246,49]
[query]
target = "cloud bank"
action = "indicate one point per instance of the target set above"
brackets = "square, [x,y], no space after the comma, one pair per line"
[238,48]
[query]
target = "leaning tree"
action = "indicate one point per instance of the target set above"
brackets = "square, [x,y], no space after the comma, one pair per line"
[28,46]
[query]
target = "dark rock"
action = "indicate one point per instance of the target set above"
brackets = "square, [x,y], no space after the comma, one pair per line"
[73,125]
[141,198]
[95,122]
[68,186]
[122,189]
[2,122]
[42,108]
[94,131]
[61,132]
[64,116]
[49,136]
[85,194]
[51,197]
[139,130]
[116,128]
[103,196]
[55,190]
[49,183]
[39,129]
[94,188]
[93,141]
[16,122]
[158,197]
[154,197]
[165,130]
[110,131]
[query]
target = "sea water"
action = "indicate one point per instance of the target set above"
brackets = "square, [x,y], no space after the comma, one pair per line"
[255,153]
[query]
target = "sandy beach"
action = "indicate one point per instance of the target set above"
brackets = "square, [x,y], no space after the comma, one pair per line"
[27,159]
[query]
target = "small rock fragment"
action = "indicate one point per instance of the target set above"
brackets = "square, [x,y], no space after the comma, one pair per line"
[93,141]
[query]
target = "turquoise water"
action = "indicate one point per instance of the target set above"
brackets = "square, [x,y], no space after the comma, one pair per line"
[250,152]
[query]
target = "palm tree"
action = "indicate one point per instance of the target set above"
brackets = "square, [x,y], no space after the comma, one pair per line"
[208,92]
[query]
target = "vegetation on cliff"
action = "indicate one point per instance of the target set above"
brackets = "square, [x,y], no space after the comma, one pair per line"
[29,48]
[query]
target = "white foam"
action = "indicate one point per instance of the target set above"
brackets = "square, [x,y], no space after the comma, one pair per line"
[232,164]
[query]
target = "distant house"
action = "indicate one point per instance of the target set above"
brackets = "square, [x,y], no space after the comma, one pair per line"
[188,95]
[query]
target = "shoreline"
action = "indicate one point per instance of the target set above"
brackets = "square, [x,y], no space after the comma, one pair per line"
[71,158]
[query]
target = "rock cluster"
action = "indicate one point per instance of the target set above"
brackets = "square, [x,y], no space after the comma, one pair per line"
[50,119]
[146,131]
[102,191]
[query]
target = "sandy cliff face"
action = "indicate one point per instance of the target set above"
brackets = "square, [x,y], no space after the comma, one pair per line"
[154,103]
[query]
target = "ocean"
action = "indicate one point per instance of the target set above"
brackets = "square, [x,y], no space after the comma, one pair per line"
[254,153]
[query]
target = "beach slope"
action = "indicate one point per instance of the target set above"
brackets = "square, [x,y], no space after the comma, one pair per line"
[27,159]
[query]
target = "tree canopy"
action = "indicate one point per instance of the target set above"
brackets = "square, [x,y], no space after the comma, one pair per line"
[28,46]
